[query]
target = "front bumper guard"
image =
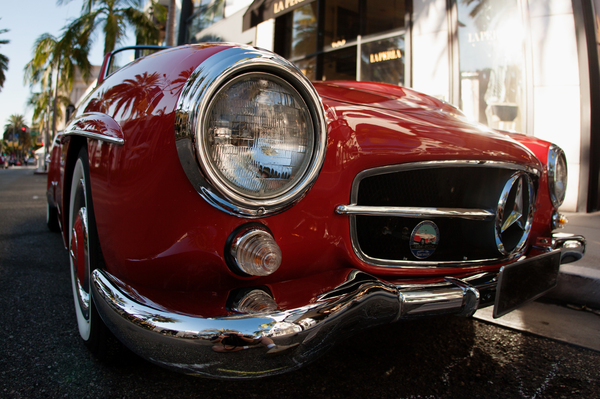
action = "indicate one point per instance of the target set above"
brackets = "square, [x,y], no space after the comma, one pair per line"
[294,337]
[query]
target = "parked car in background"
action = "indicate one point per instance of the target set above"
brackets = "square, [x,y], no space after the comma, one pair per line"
[226,217]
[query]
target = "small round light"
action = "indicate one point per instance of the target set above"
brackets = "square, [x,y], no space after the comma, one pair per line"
[255,301]
[255,252]
[258,136]
[559,221]
[557,175]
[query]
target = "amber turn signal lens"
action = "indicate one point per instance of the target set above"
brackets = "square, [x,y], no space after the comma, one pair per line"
[559,221]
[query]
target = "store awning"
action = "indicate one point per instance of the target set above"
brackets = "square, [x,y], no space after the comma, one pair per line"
[262,10]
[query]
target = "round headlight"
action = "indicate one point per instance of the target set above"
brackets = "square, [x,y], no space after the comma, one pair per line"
[258,136]
[250,132]
[557,175]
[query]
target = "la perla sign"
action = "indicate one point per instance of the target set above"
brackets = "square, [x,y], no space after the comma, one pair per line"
[282,5]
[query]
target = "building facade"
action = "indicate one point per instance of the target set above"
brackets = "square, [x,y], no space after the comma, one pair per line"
[529,66]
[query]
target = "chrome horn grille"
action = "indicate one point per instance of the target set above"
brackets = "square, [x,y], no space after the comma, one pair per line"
[446,214]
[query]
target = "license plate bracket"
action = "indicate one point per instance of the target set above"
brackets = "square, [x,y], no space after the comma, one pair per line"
[524,281]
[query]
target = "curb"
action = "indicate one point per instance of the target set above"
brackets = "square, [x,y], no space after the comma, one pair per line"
[579,282]
[577,287]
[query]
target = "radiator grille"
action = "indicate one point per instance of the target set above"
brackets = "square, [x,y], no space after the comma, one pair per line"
[386,240]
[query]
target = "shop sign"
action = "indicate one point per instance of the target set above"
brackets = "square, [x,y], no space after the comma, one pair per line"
[483,36]
[385,56]
[280,6]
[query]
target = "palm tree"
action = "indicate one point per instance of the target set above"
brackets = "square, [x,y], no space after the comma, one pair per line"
[42,104]
[16,131]
[3,61]
[115,15]
[14,125]
[53,67]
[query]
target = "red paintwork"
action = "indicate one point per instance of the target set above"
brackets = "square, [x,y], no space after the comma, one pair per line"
[159,236]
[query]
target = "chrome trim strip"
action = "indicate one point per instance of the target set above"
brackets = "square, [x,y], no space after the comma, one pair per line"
[415,212]
[195,99]
[434,165]
[183,342]
[93,136]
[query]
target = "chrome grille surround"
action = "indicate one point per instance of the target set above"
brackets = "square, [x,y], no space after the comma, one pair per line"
[501,183]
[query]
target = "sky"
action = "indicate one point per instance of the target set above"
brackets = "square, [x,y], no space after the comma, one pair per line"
[26,21]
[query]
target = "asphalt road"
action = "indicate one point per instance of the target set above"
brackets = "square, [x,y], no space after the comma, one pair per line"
[41,355]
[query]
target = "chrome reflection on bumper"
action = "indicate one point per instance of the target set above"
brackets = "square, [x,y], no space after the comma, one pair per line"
[572,247]
[297,336]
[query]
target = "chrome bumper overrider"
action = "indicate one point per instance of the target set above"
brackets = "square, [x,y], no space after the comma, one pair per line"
[295,336]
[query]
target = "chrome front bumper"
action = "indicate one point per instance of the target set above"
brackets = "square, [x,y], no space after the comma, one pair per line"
[183,343]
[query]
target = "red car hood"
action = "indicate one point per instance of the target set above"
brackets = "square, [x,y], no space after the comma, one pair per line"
[381,95]
[403,125]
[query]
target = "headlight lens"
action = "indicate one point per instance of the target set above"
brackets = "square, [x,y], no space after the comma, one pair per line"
[258,136]
[557,175]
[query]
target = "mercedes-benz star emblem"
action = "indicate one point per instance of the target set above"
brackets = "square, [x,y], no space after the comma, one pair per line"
[513,219]
[516,215]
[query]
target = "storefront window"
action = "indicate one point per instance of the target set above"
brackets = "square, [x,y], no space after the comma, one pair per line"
[296,32]
[308,66]
[342,22]
[492,68]
[383,61]
[206,13]
[340,64]
[383,16]
[326,38]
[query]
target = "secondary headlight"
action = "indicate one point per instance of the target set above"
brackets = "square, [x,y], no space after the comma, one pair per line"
[258,136]
[250,132]
[557,175]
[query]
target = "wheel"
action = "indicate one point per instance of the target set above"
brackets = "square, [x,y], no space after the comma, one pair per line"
[84,254]
[52,218]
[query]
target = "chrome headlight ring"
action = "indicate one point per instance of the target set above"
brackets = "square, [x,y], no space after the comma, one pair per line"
[557,175]
[197,129]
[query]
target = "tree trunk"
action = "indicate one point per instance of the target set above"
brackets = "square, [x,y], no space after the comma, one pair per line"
[171,24]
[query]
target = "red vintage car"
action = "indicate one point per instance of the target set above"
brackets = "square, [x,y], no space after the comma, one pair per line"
[226,217]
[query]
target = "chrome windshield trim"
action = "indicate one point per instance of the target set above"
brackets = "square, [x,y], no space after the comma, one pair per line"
[415,212]
[93,136]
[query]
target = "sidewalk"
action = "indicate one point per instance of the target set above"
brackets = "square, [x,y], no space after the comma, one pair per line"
[575,316]
[579,282]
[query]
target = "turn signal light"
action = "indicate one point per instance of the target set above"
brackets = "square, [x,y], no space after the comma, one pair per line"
[559,221]
[254,252]
[255,301]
